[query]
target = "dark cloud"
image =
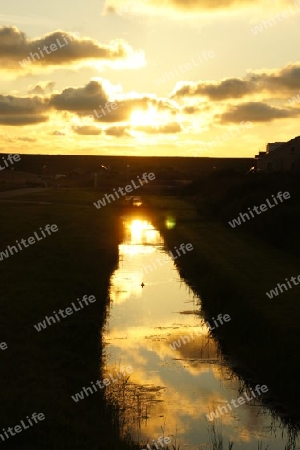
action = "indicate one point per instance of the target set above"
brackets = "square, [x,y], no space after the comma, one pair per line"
[174,127]
[27,139]
[80,100]
[42,88]
[286,80]
[10,104]
[231,87]
[90,100]
[19,52]
[93,100]
[117,131]
[22,111]
[87,130]
[255,112]
[18,120]
[193,109]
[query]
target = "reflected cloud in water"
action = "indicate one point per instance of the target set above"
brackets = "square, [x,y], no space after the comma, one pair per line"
[173,389]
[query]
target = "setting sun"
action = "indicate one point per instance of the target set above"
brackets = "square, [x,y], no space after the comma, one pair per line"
[140,117]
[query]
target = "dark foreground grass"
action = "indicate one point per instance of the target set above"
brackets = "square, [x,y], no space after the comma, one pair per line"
[41,370]
[232,273]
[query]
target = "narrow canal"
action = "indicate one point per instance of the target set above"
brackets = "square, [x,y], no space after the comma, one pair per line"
[173,388]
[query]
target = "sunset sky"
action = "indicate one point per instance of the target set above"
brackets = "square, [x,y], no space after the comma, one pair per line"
[148,77]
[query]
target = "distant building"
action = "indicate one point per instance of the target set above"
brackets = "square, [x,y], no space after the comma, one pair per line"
[271,146]
[280,157]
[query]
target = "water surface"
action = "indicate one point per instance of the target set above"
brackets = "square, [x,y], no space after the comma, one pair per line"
[171,391]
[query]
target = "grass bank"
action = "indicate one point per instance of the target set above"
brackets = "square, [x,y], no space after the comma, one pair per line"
[232,273]
[41,370]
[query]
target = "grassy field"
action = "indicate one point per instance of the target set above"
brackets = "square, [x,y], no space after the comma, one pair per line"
[232,273]
[41,370]
[223,195]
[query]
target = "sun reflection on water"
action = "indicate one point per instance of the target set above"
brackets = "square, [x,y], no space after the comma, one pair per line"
[142,232]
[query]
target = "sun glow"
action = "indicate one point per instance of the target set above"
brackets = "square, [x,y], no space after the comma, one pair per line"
[139,117]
